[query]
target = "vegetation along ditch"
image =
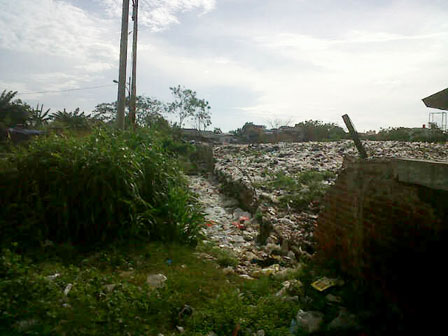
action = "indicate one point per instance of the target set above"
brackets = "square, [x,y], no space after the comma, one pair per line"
[139,232]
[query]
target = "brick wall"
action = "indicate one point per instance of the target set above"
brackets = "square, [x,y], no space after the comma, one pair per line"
[386,232]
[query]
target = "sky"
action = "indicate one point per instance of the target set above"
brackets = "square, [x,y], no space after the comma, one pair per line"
[261,61]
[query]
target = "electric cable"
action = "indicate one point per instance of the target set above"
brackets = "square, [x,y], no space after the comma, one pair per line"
[68,90]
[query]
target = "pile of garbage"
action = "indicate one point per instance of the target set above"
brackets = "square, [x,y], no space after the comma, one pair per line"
[252,168]
[251,162]
[232,229]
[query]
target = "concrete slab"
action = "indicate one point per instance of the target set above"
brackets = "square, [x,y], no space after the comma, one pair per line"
[430,174]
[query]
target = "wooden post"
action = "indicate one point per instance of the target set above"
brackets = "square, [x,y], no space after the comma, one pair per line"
[121,100]
[355,136]
[133,101]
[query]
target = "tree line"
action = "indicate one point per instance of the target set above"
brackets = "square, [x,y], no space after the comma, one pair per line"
[149,111]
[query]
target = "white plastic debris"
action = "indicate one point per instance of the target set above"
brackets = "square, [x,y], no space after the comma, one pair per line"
[156,280]
[67,289]
[53,276]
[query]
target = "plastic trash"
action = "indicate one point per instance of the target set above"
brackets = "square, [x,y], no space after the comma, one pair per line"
[54,276]
[185,311]
[309,321]
[68,289]
[293,327]
[243,219]
[239,225]
[324,283]
[156,280]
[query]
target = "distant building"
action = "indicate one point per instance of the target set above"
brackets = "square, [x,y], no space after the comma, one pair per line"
[211,137]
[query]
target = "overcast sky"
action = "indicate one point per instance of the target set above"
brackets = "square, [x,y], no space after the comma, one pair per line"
[253,60]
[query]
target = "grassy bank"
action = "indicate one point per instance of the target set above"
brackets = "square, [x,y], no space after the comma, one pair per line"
[104,186]
[64,291]
[87,223]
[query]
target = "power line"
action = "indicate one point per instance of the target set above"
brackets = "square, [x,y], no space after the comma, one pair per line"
[67,90]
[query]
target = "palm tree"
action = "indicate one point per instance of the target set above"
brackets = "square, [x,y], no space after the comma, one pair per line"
[38,117]
[72,120]
[12,112]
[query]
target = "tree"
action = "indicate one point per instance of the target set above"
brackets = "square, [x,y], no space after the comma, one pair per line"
[315,130]
[187,105]
[12,112]
[73,120]
[253,133]
[202,114]
[277,122]
[106,112]
[38,117]
[148,111]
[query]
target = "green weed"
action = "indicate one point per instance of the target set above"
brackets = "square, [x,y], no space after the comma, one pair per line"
[106,185]
[225,258]
[109,294]
[301,189]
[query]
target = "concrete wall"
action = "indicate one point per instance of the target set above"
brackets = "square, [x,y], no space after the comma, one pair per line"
[425,173]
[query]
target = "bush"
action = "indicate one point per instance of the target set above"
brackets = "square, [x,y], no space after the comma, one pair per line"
[12,112]
[75,120]
[315,130]
[303,188]
[106,185]
[410,134]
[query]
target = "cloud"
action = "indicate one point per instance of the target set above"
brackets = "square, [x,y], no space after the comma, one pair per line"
[367,73]
[12,86]
[73,47]
[60,80]
[257,59]
[199,70]
[54,28]
[95,67]
[159,15]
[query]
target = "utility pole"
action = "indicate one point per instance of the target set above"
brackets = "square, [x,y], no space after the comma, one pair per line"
[121,101]
[133,100]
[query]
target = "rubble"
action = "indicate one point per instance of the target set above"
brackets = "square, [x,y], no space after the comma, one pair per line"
[251,163]
[309,321]
[344,320]
[254,167]
[221,216]
[246,172]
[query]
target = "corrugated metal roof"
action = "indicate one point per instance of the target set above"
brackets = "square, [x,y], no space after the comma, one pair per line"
[438,100]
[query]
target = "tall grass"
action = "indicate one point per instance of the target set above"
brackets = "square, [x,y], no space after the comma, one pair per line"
[103,186]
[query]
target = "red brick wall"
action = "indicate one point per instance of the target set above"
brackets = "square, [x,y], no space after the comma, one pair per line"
[368,214]
[390,235]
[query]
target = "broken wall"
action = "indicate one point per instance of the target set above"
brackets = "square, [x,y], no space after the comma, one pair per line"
[383,226]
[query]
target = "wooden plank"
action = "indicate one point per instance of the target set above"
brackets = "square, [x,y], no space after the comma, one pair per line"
[355,136]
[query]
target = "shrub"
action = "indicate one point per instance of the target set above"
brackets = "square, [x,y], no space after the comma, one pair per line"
[303,188]
[410,134]
[315,130]
[12,112]
[38,117]
[105,185]
[72,120]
